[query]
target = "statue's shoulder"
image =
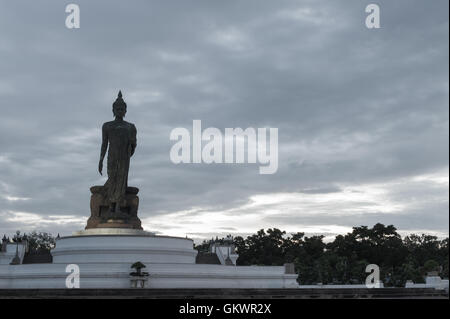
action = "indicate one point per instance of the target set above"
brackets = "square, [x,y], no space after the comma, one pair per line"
[107,125]
[131,125]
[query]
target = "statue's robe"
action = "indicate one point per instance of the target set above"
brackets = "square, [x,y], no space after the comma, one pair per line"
[121,137]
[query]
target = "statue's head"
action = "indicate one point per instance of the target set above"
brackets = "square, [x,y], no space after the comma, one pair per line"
[119,106]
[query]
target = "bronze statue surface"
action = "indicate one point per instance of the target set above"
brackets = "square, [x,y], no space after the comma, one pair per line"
[120,137]
[115,204]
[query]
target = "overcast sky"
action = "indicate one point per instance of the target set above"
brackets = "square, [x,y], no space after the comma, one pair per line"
[362,114]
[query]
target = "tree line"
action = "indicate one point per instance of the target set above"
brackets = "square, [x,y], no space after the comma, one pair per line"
[344,260]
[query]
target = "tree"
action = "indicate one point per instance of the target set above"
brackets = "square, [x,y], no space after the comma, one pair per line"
[37,242]
[203,247]
[138,266]
[431,266]
[262,248]
[344,260]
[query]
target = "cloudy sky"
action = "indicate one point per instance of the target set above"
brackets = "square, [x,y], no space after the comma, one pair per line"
[362,114]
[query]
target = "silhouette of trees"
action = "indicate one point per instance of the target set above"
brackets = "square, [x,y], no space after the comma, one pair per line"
[343,261]
[37,242]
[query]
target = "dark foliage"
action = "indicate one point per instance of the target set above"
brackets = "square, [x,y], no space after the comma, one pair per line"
[38,243]
[344,260]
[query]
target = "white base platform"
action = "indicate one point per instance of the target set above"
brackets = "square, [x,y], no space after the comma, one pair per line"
[104,257]
[97,275]
[108,245]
